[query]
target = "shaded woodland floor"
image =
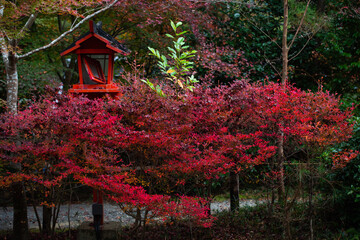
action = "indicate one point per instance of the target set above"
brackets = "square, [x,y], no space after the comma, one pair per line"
[248,223]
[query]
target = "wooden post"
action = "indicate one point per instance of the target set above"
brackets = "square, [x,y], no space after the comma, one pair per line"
[98,198]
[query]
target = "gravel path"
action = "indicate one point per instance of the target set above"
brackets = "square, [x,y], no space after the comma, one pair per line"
[82,212]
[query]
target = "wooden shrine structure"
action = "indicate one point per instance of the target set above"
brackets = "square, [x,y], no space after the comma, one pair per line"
[95,52]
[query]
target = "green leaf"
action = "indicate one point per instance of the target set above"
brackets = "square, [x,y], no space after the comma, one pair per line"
[177,47]
[169,35]
[173,55]
[178,34]
[190,88]
[180,40]
[172,50]
[152,50]
[150,84]
[193,79]
[159,91]
[173,25]
[180,67]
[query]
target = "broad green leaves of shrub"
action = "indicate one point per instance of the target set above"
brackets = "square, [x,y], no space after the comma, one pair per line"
[179,67]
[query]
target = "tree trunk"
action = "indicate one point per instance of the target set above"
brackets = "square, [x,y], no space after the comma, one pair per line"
[281,160]
[285,48]
[70,69]
[10,61]
[281,154]
[20,221]
[47,214]
[284,78]
[311,211]
[234,191]
[12,83]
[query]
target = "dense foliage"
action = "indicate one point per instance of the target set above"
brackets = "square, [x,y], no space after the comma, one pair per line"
[149,152]
[163,152]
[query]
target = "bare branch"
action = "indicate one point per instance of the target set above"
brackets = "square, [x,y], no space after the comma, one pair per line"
[68,32]
[297,54]
[270,63]
[86,13]
[254,24]
[301,23]
[28,24]
[307,42]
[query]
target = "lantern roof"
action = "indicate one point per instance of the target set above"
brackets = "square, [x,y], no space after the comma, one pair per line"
[96,32]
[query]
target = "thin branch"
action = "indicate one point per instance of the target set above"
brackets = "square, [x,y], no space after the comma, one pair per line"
[60,25]
[307,42]
[254,24]
[86,13]
[301,23]
[303,47]
[270,63]
[68,32]
[28,24]
[35,210]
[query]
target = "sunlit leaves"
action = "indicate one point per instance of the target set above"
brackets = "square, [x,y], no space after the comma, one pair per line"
[179,66]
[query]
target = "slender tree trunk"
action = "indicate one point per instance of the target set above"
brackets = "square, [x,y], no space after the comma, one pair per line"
[281,154]
[234,191]
[20,222]
[311,211]
[284,77]
[281,160]
[208,197]
[69,209]
[70,69]
[285,48]
[67,77]
[273,184]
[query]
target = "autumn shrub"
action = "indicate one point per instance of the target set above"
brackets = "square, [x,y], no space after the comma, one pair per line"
[160,155]
[345,188]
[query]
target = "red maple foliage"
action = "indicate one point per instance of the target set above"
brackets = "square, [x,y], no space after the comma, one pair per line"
[144,150]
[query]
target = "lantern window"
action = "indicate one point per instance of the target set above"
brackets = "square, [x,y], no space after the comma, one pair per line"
[93,68]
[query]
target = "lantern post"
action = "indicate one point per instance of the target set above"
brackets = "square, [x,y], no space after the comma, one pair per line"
[95,52]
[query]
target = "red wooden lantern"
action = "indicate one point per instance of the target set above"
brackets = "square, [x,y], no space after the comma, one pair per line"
[95,56]
[95,51]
